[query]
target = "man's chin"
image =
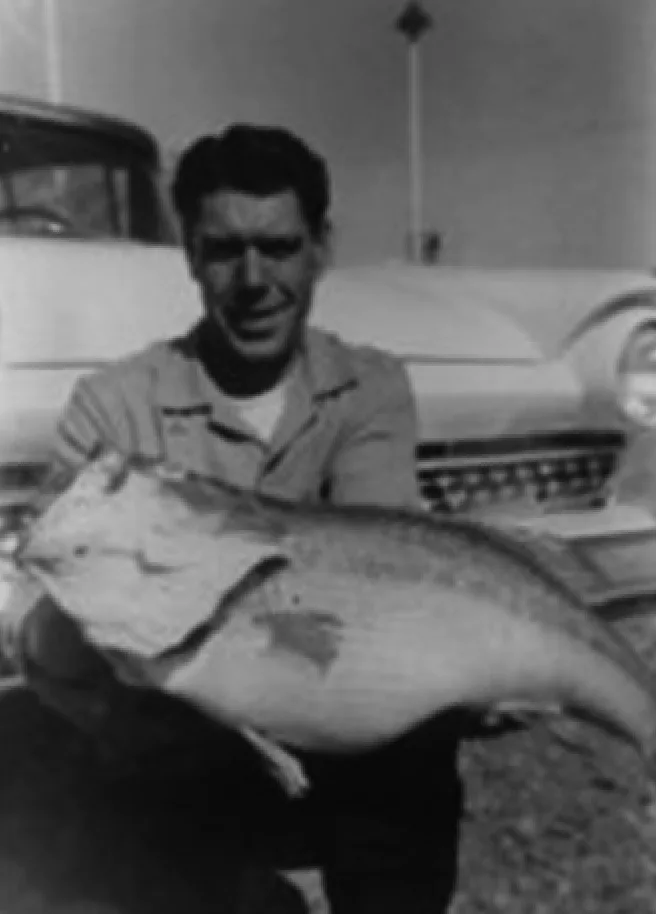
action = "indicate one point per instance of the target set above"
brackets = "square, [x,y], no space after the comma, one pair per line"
[261,350]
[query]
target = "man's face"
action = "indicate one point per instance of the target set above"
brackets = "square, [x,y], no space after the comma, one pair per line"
[256,262]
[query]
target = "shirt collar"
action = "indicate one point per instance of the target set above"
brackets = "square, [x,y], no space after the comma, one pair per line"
[324,368]
[324,371]
[328,368]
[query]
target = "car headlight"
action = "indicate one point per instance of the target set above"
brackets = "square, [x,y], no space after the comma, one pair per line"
[636,375]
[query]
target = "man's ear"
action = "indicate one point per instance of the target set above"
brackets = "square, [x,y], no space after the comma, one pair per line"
[323,248]
[190,253]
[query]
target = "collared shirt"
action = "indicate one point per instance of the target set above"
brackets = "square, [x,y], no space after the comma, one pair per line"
[347,429]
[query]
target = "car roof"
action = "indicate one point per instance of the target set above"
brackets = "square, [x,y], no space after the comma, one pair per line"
[15,109]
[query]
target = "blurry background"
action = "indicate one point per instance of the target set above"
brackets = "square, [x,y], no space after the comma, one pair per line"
[539,115]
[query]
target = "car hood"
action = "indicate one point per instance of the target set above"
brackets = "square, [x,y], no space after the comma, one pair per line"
[68,302]
[549,309]
[71,303]
[399,310]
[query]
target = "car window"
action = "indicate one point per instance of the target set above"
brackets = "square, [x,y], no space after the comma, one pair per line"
[80,200]
[77,183]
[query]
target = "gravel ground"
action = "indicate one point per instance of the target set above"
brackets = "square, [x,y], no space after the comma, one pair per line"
[559,820]
[556,828]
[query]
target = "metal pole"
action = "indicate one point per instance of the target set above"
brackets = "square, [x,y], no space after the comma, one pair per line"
[413,22]
[54,78]
[415,152]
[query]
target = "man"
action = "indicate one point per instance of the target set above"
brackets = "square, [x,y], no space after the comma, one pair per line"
[251,393]
[255,396]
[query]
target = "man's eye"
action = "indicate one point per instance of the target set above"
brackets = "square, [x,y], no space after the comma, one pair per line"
[221,249]
[279,248]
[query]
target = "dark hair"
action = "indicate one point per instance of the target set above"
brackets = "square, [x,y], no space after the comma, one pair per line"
[256,160]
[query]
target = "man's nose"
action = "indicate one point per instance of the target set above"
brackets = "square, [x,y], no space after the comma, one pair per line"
[252,266]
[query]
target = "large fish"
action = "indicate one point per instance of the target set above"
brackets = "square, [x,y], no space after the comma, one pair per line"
[329,629]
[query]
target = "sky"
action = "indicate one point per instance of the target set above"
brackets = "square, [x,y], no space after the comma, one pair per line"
[538,115]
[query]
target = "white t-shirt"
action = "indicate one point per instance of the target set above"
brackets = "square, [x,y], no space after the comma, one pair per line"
[263,411]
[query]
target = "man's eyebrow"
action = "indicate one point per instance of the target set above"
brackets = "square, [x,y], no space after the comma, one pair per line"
[252,237]
[281,241]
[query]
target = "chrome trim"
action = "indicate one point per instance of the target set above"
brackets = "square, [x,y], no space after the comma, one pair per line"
[551,470]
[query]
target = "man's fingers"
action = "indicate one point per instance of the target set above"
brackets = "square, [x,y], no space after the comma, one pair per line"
[115,468]
[170,472]
[9,543]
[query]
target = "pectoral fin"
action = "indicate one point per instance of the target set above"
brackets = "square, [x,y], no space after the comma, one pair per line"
[284,766]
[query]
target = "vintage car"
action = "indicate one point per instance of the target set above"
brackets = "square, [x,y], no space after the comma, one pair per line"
[532,387]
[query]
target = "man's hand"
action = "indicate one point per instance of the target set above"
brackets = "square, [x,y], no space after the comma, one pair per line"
[17,596]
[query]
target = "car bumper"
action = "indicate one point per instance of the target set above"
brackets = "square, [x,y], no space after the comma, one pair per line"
[607,555]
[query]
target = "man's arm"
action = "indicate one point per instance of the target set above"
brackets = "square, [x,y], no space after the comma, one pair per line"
[94,419]
[375,462]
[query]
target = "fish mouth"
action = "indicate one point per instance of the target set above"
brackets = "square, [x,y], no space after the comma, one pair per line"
[31,560]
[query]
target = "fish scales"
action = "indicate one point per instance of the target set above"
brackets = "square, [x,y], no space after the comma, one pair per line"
[357,623]
[384,544]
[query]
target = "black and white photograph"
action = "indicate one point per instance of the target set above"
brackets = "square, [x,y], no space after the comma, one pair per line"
[327,457]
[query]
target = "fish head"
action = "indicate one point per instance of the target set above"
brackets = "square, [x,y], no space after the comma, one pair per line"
[83,512]
[156,514]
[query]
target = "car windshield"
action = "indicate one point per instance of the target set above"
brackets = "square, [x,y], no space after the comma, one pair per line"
[78,182]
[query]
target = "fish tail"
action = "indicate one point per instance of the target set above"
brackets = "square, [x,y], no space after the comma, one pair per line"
[284,766]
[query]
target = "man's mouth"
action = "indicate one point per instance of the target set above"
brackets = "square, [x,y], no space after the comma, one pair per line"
[258,319]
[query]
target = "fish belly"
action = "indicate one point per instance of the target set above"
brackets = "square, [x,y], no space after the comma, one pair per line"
[350,665]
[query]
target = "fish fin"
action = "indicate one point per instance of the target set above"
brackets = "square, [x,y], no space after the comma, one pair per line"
[529,708]
[284,766]
[561,731]
[519,714]
[248,513]
[508,717]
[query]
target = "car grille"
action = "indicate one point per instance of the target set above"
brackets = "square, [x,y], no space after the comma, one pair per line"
[22,475]
[546,470]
